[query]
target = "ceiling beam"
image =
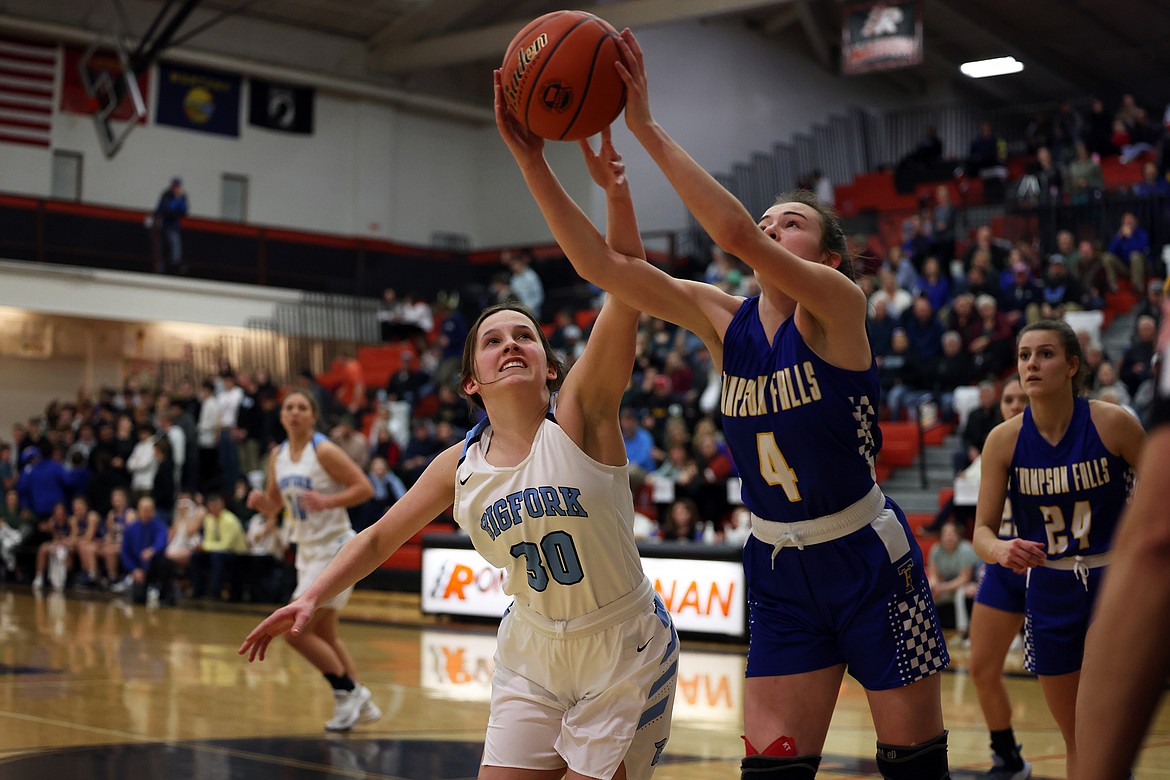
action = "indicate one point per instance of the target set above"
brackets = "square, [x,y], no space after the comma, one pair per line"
[490,42]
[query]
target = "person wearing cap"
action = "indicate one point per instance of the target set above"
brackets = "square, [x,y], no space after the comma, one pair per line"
[172,207]
[1061,291]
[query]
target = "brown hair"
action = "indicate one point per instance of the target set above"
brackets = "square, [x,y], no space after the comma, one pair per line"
[308,397]
[1068,340]
[467,369]
[832,233]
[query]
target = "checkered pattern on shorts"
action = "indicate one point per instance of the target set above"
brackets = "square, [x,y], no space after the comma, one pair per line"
[922,651]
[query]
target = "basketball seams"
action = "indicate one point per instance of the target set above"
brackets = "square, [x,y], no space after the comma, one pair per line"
[544,62]
[537,22]
[589,78]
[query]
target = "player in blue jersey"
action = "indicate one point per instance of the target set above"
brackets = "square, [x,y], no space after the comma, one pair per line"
[587,654]
[1065,464]
[315,481]
[835,577]
[996,620]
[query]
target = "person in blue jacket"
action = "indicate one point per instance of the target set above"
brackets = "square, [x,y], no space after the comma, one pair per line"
[143,544]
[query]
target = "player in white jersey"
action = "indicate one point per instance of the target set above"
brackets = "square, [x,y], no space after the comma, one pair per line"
[315,481]
[587,655]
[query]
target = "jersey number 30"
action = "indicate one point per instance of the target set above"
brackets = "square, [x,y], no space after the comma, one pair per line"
[774,468]
[1054,526]
[556,556]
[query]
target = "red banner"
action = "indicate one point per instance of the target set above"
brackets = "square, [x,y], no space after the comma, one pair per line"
[76,100]
[878,35]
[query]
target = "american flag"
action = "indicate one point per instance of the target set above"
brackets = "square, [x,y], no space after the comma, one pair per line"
[27,73]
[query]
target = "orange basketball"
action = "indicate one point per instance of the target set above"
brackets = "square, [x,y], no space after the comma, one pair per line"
[558,76]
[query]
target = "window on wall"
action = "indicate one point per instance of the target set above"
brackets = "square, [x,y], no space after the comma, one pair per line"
[233,196]
[66,173]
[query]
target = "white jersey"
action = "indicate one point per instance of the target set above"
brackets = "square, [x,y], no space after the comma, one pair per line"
[296,477]
[559,523]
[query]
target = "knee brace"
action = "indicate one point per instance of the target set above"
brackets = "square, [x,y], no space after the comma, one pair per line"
[759,767]
[927,761]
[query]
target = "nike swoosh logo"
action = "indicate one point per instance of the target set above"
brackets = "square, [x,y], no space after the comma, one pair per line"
[644,644]
[464,480]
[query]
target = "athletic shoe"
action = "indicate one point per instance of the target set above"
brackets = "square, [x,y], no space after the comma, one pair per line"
[347,708]
[1000,772]
[370,712]
[38,582]
[122,585]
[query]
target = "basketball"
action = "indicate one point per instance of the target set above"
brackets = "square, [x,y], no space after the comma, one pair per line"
[558,76]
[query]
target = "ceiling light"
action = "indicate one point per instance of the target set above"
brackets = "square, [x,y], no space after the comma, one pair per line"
[999,66]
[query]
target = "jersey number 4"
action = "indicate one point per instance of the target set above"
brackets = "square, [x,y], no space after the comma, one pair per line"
[774,468]
[1054,526]
[556,556]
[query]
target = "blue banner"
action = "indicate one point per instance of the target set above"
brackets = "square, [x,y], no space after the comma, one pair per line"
[198,99]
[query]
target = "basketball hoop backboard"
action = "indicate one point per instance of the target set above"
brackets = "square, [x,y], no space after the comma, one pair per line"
[111,82]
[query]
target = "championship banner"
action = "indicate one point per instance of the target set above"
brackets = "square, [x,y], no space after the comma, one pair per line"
[198,99]
[74,98]
[280,107]
[878,36]
[703,596]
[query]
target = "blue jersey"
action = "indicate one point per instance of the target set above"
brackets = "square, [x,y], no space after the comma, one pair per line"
[803,433]
[1068,496]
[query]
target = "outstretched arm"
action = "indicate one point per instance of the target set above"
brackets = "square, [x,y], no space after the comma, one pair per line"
[427,498]
[1116,701]
[700,308]
[818,288]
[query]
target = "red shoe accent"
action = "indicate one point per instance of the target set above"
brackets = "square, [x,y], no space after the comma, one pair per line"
[784,747]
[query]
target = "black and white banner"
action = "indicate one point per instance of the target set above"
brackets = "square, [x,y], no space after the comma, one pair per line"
[280,107]
[881,36]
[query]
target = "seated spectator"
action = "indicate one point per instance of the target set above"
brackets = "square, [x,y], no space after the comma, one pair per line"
[905,274]
[953,370]
[933,284]
[408,383]
[144,543]
[1151,304]
[1110,387]
[880,326]
[1152,185]
[346,436]
[737,528]
[987,151]
[185,537]
[1020,300]
[916,237]
[59,549]
[214,562]
[1060,292]
[942,232]
[962,318]
[1137,362]
[952,571]
[89,525]
[901,376]
[16,525]
[388,488]
[715,467]
[1130,248]
[1094,357]
[985,241]
[924,330]
[1043,182]
[993,347]
[897,300]
[423,447]
[922,163]
[681,522]
[639,447]
[979,423]
[264,576]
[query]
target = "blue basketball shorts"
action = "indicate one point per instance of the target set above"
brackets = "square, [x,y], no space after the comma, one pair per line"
[1001,588]
[1057,618]
[862,600]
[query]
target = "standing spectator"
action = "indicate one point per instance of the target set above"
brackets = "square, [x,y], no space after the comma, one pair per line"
[1085,180]
[43,482]
[229,399]
[207,434]
[141,463]
[390,316]
[1098,124]
[172,207]
[943,217]
[524,282]
[987,150]
[164,490]
[351,392]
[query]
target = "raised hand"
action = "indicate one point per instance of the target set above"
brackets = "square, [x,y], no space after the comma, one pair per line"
[605,165]
[632,70]
[525,145]
[291,618]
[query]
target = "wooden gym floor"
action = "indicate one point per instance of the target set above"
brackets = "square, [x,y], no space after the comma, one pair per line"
[92,687]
